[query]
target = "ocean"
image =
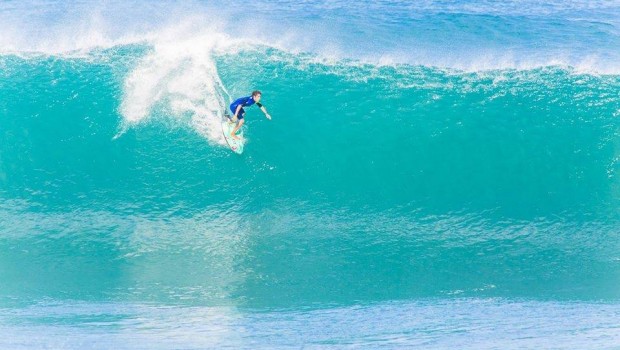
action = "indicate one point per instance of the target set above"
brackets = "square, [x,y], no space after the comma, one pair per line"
[436,175]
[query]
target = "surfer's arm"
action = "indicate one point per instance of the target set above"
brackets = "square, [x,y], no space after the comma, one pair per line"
[262,108]
[237,111]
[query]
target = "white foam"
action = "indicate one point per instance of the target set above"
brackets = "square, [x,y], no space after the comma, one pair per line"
[183,76]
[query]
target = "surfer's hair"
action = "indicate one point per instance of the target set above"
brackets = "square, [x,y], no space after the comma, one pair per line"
[256,92]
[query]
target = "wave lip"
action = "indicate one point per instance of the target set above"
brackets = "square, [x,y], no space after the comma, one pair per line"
[470,36]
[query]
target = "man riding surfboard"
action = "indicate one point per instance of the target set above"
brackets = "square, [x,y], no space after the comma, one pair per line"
[238,112]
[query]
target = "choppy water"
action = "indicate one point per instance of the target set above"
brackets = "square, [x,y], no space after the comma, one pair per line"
[436,175]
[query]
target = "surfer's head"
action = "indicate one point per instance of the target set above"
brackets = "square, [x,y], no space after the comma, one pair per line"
[256,95]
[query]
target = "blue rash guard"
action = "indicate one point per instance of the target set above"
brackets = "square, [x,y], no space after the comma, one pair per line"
[243,102]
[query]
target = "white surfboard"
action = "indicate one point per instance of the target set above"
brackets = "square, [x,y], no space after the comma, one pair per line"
[234,144]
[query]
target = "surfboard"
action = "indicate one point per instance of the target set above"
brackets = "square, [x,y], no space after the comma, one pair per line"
[235,145]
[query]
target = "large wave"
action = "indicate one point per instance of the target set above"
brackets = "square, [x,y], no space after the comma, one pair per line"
[177,76]
[435,171]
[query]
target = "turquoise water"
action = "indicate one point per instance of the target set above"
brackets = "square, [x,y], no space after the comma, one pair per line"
[437,175]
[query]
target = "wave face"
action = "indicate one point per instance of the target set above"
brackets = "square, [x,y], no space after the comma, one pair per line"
[430,154]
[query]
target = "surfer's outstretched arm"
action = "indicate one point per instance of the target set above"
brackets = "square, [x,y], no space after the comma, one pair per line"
[262,108]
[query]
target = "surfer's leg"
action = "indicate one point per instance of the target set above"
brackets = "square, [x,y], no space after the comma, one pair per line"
[234,132]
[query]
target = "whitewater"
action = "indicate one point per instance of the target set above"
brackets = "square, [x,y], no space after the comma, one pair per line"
[437,175]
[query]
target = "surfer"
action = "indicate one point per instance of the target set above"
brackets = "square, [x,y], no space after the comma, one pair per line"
[238,112]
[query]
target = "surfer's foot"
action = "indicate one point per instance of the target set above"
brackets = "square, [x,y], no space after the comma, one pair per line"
[235,136]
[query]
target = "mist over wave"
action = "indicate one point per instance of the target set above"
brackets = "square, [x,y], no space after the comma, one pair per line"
[469,36]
